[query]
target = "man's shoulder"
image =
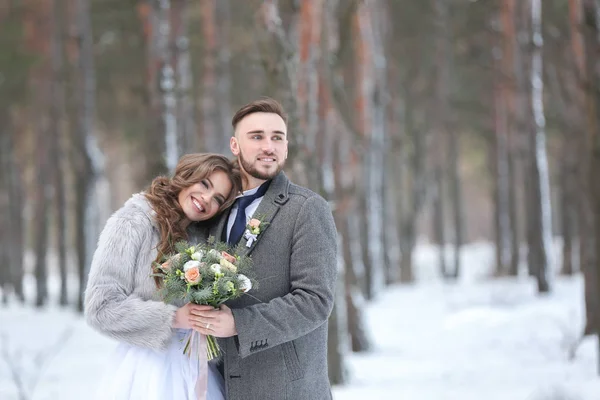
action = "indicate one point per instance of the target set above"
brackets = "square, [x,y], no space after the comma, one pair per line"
[301,193]
[304,196]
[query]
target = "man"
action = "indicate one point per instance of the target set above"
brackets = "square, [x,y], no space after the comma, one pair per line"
[276,336]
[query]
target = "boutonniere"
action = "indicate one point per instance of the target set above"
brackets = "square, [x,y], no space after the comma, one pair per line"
[253,229]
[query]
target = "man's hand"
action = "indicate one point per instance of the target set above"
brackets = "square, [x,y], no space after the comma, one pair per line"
[217,322]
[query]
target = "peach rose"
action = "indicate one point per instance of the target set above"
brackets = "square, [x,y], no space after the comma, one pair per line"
[228,257]
[166,266]
[254,223]
[192,275]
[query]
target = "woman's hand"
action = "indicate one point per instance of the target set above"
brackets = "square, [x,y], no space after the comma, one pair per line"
[182,317]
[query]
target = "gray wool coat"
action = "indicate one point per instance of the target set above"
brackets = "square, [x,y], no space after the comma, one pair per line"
[280,352]
[121,298]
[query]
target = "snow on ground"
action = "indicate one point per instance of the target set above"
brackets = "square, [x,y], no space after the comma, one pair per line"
[477,339]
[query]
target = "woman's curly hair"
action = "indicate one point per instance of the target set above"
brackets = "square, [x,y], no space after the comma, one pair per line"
[163,194]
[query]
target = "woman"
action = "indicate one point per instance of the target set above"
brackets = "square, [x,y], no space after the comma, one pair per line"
[121,296]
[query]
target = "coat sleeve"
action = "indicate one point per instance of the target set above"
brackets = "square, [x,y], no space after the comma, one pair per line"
[312,284]
[111,306]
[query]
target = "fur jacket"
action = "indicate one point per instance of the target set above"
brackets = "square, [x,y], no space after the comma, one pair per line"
[121,298]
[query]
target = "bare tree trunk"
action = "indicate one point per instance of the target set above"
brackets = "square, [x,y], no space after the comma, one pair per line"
[378,167]
[310,28]
[540,181]
[355,300]
[501,189]
[167,83]
[338,346]
[510,96]
[5,206]
[442,56]
[589,167]
[439,221]
[344,167]
[534,251]
[502,168]
[154,140]
[573,157]
[223,15]
[40,81]
[186,125]
[87,159]
[17,238]
[337,341]
[415,174]
[347,223]
[370,122]
[568,213]
[456,193]
[593,309]
[209,106]
[11,202]
[512,205]
[392,214]
[41,201]
[57,119]
[500,249]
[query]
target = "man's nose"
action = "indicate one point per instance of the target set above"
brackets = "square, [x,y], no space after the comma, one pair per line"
[268,146]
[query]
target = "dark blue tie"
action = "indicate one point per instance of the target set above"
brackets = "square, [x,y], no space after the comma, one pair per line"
[239,225]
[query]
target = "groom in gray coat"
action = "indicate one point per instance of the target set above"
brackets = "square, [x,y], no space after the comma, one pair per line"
[275,338]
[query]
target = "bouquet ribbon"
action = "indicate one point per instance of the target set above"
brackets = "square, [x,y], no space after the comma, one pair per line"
[198,349]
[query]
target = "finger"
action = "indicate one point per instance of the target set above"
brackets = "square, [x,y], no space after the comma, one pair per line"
[203,322]
[201,330]
[204,328]
[200,307]
[204,314]
[198,321]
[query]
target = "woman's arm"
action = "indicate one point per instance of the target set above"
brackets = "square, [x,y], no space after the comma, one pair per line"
[110,304]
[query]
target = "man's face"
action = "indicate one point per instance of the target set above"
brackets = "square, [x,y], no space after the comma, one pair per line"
[261,145]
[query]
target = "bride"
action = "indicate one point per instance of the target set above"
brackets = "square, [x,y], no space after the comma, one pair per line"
[121,297]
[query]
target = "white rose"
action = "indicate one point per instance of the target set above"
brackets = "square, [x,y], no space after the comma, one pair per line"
[215,268]
[191,264]
[245,283]
[197,256]
[215,253]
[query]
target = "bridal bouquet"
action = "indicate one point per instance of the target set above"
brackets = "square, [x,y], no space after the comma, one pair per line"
[205,274]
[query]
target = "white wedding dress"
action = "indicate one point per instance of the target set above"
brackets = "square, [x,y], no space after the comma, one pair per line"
[140,373]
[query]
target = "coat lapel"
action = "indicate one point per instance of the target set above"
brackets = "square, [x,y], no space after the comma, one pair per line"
[276,196]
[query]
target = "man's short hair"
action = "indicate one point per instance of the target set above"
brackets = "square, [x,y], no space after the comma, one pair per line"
[264,104]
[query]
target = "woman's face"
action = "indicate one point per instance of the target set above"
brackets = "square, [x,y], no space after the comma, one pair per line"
[201,201]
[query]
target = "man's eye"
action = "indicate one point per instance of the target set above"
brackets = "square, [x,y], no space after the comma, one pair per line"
[258,137]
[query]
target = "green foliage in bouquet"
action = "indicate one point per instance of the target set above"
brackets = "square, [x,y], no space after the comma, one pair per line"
[205,274]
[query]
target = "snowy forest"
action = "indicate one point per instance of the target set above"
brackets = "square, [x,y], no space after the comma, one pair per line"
[432,127]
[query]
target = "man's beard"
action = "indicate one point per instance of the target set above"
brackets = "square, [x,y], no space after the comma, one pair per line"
[253,172]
